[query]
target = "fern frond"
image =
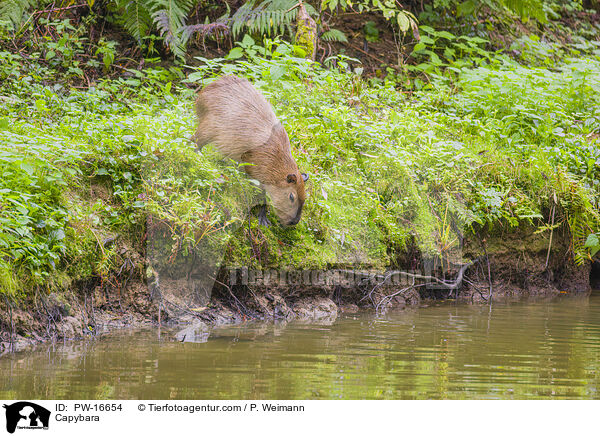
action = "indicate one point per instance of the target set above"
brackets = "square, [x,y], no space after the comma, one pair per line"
[203,30]
[527,8]
[163,24]
[334,35]
[138,17]
[579,232]
[583,217]
[134,16]
[13,11]
[268,17]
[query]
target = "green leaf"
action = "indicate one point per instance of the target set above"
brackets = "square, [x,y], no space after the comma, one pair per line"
[418,47]
[276,71]
[466,8]
[40,105]
[195,77]
[592,241]
[403,22]
[447,35]
[299,51]
[235,53]
[248,41]
[57,235]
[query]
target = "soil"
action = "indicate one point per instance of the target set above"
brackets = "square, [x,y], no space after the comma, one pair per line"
[389,49]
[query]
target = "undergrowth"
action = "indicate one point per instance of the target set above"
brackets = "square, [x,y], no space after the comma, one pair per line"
[89,175]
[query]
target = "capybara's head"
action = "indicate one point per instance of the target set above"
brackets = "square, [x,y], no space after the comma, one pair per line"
[288,197]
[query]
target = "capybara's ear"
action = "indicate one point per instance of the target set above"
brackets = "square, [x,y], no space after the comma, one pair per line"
[304,177]
[291,178]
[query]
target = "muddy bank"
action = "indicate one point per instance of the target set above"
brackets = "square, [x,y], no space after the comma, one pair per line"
[512,266]
[521,263]
[74,316]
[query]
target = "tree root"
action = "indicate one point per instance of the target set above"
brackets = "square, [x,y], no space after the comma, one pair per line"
[441,284]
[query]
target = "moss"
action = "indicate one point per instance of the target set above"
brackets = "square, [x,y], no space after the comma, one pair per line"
[306,34]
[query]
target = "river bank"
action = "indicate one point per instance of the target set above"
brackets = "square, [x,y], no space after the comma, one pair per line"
[517,272]
[471,171]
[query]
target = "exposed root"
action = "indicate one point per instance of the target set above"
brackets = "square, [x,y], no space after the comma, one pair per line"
[451,286]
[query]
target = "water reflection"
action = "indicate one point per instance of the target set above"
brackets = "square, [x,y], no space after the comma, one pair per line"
[524,350]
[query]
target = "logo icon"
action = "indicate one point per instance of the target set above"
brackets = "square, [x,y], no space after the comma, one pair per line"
[26,415]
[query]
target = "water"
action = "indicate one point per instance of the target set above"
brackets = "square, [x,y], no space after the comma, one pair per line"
[516,351]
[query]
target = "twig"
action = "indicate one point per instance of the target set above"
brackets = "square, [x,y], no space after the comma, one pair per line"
[368,54]
[551,234]
[476,288]
[385,300]
[487,259]
[58,9]
[49,315]
[234,297]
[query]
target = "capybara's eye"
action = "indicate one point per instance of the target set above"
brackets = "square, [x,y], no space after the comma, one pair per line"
[292,198]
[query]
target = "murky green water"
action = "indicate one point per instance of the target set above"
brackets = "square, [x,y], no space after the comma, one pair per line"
[524,350]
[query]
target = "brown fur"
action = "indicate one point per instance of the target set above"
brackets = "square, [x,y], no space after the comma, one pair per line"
[241,124]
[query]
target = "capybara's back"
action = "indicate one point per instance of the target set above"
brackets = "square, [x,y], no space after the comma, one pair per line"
[239,121]
[233,116]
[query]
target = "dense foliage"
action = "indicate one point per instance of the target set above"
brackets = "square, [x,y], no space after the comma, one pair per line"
[462,136]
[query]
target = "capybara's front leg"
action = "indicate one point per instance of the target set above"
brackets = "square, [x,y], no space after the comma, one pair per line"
[262,216]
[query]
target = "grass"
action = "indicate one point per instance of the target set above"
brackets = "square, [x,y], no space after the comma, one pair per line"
[89,177]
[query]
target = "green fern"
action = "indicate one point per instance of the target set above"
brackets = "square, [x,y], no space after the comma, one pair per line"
[579,233]
[169,17]
[527,8]
[13,11]
[524,8]
[269,17]
[582,217]
[334,35]
[140,17]
[134,16]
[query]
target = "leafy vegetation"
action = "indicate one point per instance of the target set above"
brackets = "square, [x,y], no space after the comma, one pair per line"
[175,22]
[96,157]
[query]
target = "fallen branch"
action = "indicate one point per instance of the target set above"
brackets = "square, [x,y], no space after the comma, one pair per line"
[238,302]
[58,9]
[445,285]
[364,52]
[385,300]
